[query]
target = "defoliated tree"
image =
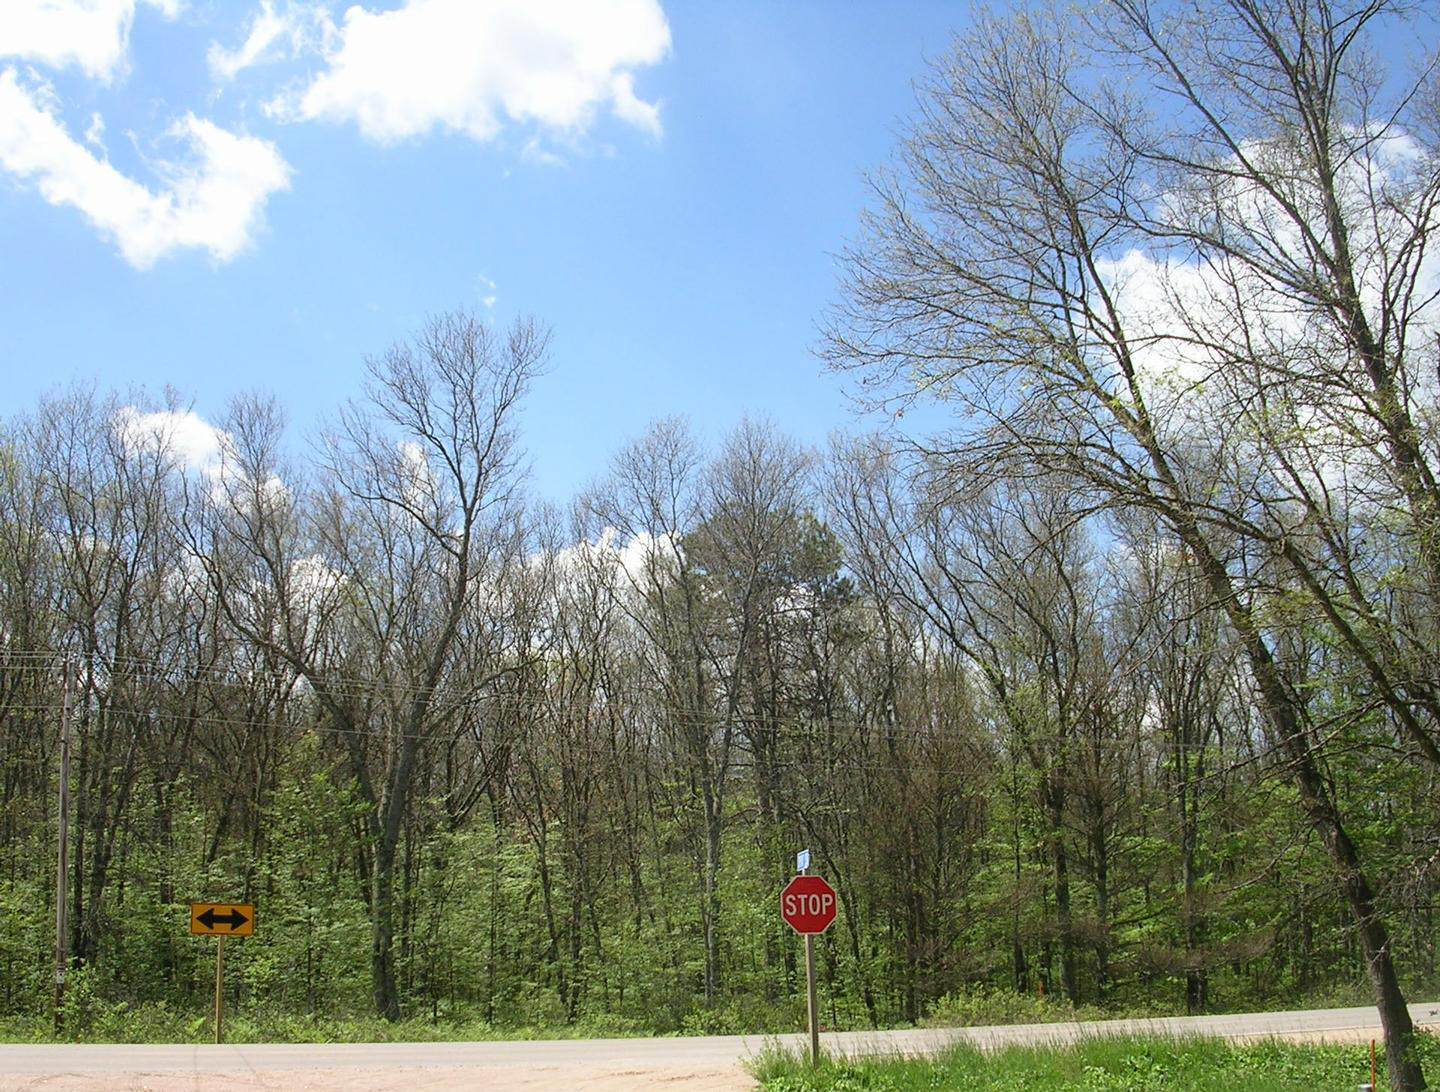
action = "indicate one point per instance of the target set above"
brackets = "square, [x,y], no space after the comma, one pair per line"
[385,584]
[1108,277]
[654,498]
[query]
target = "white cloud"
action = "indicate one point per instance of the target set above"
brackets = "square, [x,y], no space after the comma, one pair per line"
[470,65]
[274,34]
[1161,301]
[1189,319]
[634,564]
[488,290]
[312,581]
[200,448]
[184,434]
[535,151]
[641,114]
[93,35]
[95,134]
[265,30]
[212,203]
[416,481]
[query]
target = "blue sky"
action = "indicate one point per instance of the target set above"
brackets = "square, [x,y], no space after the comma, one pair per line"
[664,186]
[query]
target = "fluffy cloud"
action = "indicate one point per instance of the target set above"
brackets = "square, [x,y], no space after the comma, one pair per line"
[468,65]
[629,565]
[197,446]
[93,35]
[183,434]
[1187,319]
[211,203]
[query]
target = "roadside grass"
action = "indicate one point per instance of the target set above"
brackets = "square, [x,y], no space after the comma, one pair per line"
[162,1023]
[982,1005]
[1118,1064]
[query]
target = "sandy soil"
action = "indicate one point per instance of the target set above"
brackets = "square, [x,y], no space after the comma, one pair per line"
[426,1079]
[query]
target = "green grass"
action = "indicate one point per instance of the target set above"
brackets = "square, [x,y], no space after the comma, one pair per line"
[161,1023]
[984,1005]
[1097,1065]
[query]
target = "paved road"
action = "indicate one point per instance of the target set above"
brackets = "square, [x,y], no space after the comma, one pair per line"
[50,1066]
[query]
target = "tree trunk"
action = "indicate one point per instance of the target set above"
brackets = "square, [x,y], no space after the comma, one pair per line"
[1285,717]
[1060,870]
[384,993]
[711,910]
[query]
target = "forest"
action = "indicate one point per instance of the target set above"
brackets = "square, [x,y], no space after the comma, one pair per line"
[1117,691]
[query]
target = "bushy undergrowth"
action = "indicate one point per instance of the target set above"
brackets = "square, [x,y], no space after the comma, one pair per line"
[89,1018]
[983,1006]
[1096,1065]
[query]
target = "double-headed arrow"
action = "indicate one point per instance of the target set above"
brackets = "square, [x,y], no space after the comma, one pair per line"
[233,920]
[226,919]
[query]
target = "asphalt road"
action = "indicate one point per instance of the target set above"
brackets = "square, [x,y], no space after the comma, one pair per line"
[670,1053]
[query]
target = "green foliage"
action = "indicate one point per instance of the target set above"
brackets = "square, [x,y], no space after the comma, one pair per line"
[981,1006]
[26,940]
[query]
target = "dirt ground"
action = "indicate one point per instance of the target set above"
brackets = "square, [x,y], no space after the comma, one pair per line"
[424,1079]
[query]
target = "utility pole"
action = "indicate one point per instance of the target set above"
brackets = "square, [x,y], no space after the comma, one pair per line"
[62,864]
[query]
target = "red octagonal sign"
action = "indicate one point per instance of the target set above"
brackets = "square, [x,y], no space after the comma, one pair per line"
[808,904]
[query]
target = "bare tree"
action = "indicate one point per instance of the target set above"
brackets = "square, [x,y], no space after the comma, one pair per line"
[385,584]
[1010,270]
[110,479]
[654,500]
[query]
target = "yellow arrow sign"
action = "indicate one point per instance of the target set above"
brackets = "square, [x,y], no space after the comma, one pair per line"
[224,919]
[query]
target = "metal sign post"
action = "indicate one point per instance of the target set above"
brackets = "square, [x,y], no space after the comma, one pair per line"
[812,1002]
[219,986]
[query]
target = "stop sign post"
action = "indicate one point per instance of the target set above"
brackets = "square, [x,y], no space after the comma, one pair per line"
[807,904]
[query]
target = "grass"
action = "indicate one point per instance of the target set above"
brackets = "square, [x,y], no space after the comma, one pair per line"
[1117,1064]
[159,1023]
[981,1005]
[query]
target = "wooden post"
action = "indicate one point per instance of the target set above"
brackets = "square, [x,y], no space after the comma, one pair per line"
[62,855]
[219,984]
[811,1003]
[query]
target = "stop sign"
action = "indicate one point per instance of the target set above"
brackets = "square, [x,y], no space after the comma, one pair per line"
[808,904]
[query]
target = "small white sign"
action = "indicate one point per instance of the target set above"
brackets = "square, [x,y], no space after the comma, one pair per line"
[802,860]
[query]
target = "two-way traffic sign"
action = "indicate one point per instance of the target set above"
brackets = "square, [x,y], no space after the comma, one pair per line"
[223,919]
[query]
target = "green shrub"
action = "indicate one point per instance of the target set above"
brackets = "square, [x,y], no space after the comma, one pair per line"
[982,1006]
